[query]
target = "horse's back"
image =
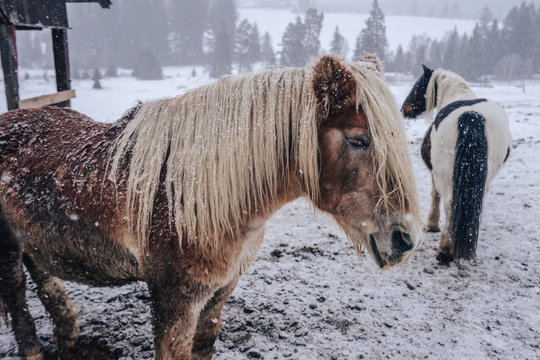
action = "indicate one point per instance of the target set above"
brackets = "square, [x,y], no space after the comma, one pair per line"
[52,196]
[44,131]
[444,139]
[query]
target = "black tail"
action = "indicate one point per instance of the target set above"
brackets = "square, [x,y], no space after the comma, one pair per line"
[469,180]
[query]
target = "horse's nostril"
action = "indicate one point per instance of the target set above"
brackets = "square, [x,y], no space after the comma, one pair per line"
[401,241]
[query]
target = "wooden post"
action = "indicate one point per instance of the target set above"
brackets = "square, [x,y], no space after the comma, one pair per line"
[8,53]
[61,62]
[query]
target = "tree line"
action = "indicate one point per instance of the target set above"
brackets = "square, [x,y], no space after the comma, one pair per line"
[136,34]
[169,32]
[508,51]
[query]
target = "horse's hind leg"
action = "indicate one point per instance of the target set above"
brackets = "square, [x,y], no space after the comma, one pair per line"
[57,303]
[12,293]
[446,248]
[434,212]
[209,323]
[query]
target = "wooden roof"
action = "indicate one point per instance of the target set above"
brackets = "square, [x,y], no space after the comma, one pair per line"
[37,14]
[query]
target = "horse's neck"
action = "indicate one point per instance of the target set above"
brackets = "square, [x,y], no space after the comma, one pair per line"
[451,94]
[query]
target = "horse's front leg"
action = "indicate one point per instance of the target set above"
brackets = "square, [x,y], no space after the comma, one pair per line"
[175,311]
[434,212]
[55,299]
[13,296]
[209,323]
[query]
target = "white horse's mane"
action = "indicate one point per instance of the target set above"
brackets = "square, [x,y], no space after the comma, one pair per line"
[442,86]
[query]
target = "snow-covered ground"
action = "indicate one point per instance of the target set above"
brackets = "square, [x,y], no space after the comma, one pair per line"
[308,296]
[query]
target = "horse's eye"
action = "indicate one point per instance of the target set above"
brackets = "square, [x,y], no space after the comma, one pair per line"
[359,142]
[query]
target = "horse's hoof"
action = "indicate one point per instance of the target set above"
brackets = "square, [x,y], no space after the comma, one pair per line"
[64,343]
[195,356]
[40,356]
[444,256]
[432,228]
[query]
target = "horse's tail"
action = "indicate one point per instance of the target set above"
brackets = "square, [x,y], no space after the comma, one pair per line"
[469,180]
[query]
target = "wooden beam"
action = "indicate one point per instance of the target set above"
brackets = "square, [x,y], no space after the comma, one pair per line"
[44,100]
[61,62]
[104,3]
[8,54]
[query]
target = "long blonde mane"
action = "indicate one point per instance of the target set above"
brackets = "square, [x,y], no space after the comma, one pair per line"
[443,85]
[390,152]
[225,145]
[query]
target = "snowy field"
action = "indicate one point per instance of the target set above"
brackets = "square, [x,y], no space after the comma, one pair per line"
[308,296]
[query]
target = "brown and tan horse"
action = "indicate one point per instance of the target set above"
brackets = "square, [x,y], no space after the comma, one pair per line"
[177,193]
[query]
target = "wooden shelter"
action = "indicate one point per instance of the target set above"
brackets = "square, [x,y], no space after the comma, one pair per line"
[36,15]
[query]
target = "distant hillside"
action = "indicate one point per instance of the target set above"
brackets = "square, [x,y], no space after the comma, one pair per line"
[465,9]
[399,29]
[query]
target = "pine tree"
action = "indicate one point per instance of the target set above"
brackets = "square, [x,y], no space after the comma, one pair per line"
[473,56]
[451,54]
[292,45]
[222,15]
[338,45]
[267,52]
[221,57]
[147,66]
[418,49]
[312,30]
[481,33]
[96,77]
[493,46]
[187,29]
[435,55]
[143,27]
[486,16]
[519,32]
[536,45]
[300,42]
[247,46]
[463,54]
[111,70]
[372,38]
[400,62]
[255,44]
[358,51]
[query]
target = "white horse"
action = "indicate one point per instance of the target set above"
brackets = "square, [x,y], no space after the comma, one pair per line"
[464,148]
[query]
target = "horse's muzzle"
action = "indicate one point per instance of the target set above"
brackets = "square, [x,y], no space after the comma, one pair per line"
[397,251]
[408,111]
[401,242]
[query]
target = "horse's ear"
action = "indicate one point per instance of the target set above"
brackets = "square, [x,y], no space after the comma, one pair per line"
[427,71]
[374,60]
[334,85]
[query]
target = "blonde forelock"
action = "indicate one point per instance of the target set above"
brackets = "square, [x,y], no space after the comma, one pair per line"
[391,157]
